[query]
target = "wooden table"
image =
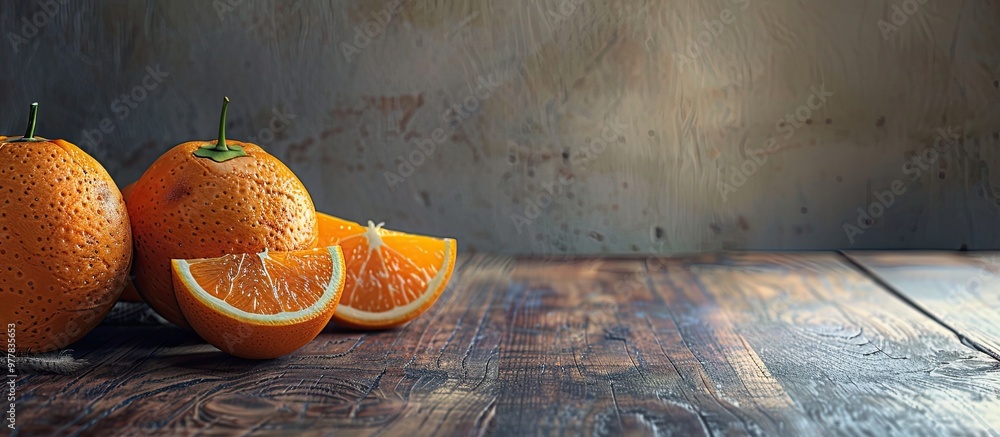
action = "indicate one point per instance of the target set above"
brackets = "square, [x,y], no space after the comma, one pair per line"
[729,344]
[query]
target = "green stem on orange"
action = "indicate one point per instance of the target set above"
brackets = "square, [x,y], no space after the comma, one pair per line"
[29,132]
[221,144]
[220,151]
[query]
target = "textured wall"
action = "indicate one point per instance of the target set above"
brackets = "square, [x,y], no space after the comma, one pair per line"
[648,121]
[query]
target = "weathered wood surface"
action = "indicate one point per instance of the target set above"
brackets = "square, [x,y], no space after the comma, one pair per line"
[960,289]
[751,344]
[851,357]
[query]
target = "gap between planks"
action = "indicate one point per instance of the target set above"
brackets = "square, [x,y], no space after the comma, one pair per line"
[899,294]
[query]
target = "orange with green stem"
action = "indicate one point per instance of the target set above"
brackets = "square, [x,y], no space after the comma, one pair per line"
[206,199]
[66,237]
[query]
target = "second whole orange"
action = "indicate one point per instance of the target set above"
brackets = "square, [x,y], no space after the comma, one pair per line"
[206,199]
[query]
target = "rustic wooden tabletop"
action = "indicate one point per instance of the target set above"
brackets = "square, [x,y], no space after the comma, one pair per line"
[730,344]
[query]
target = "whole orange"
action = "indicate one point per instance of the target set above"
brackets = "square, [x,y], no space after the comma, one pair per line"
[64,238]
[206,199]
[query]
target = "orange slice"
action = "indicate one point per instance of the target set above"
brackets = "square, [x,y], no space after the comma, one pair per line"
[264,305]
[392,277]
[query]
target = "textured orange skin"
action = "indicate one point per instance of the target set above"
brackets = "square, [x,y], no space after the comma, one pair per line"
[254,341]
[129,294]
[65,240]
[186,207]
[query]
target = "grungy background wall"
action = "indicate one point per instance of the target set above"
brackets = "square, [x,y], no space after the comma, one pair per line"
[581,126]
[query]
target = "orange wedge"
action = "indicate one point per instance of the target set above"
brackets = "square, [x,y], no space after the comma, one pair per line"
[392,277]
[264,305]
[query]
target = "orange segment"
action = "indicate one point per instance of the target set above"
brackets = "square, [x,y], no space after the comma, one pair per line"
[392,277]
[333,229]
[262,305]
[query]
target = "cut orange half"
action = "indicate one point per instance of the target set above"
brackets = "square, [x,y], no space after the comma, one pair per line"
[392,277]
[264,305]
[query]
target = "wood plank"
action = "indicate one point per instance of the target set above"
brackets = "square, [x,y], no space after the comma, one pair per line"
[586,354]
[959,289]
[853,358]
[726,345]
[749,345]
[166,380]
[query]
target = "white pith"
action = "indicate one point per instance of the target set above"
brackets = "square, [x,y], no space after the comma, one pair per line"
[372,234]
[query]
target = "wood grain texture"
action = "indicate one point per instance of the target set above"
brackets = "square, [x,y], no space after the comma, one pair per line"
[853,358]
[710,345]
[960,289]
